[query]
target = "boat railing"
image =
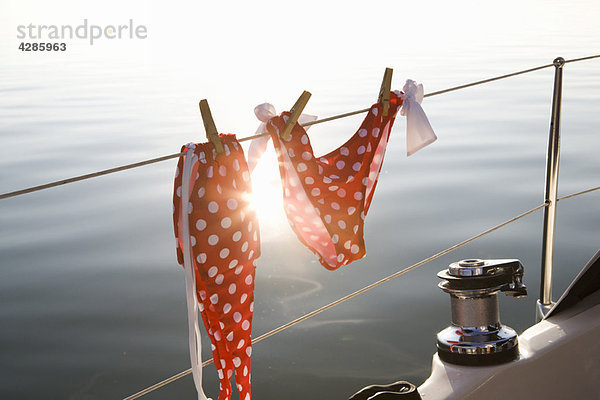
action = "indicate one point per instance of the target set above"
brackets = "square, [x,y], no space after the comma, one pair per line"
[544,303]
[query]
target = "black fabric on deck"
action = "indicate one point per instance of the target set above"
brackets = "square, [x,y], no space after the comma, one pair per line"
[586,283]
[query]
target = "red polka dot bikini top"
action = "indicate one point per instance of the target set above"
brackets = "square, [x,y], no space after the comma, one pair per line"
[326,199]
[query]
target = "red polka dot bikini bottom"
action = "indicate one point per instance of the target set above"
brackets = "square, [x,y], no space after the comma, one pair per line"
[218,243]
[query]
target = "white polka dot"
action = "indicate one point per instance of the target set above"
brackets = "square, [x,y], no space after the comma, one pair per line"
[354,249]
[209,171]
[224,253]
[226,222]
[301,167]
[344,151]
[214,298]
[239,269]
[237,317]
[222,170]
[315,192]
[201,258]
[362,132]
[200,224]
[217,334]
[243,298]
[250,254]
[333,188]
[358,196]
[341,193]
[201,192]
[304,139]
[213,240]
[320,169]
[237,236]
[233,263]
[245,374]
[190,207]
[236,165]
[291,153]
[327,180]
[230,337]
[212,271]
[306,156]
[356,166]
[248,280]
[245,247]
[219,190]
[309,180]
[335,238]
[369,148]
[241,344]
[213,207]
[355,229]
[342,224]
[327,218]
[232,288]
[226,308]
[351,210]
[375,132]
[237,362]
[347,244]
[232,204]
[255,236]
[250,226]
[340,257]
[193,240]
[340,164]
[335,205]
[249,351]
[245,325]
[219,279]
[375,111]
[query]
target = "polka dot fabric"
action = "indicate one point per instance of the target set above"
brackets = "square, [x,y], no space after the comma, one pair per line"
[225,243]
[326,198]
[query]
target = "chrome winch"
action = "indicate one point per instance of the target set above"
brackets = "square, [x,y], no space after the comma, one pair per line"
[476,336]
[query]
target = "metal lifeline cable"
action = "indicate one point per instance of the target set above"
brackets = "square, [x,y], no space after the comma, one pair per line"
[344,115]
[345,298]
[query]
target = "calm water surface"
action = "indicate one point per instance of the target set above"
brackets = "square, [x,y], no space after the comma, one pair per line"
[92,301]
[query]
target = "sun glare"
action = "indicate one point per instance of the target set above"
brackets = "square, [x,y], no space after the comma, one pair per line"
[266,190]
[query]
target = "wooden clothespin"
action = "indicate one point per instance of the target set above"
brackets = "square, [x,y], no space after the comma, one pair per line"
[209,125]
[384,92]
[295,112]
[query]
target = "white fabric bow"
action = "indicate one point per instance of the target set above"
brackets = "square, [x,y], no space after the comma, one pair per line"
[264,112]
[418,130]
